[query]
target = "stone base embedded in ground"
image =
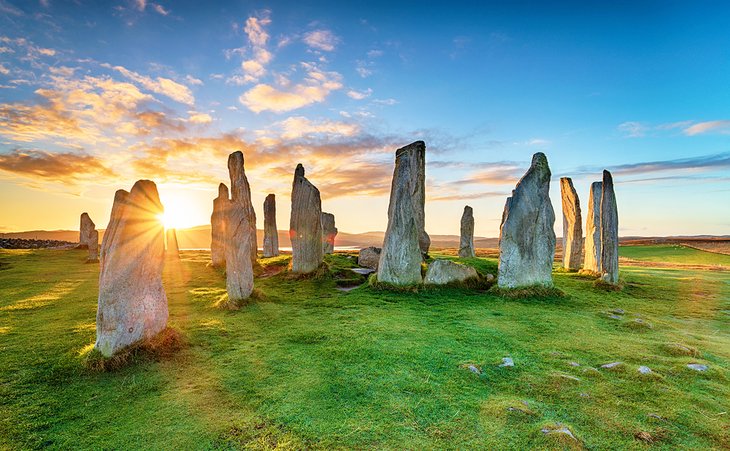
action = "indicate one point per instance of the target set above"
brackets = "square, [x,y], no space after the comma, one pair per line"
[441,272]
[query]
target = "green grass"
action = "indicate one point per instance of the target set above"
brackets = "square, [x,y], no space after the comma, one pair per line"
[309,366]
[671,253]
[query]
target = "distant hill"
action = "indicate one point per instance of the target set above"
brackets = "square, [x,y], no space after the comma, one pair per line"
[198,237]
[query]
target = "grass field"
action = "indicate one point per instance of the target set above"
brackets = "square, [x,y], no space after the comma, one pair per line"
[309,366]
[672,253]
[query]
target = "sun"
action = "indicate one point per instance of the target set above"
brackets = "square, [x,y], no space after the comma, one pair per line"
[183,209]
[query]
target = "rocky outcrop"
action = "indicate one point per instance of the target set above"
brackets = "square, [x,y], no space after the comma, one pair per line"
[305,228]
[592,261]
[527,239]
[329,232]
[172,250]
[241,195]
[609,231]
[132,301]
[369,257]
[400,259]
[572,226]
[271,234]
[89,237]
[240,225]
[218,228]
[466,243]
[441,272]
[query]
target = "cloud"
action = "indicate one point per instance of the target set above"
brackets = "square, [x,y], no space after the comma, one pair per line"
[538,142]
[363,68]
[199,118]
[160,85]
[321,40]
[298,126]
[160,9]
[632,129]
[315,89]
[4,70]
[721,126]
[67,168]
[705,162]
[359,95]
[140,4]
[6,7]
[255,67]
[193,81]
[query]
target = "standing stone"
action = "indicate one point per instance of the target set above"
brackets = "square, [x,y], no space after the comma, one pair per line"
[329,232]
[241,194]
[400,259]
[466,243]
[240,226]
[218,228]
[305,227]
[572,225]
[592,260]
[89,238]
[609,231]
[527,239]
[271,234]
[172,250]
[417,181]
[132,302]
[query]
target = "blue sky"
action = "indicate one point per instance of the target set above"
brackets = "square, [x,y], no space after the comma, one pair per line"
[94,95]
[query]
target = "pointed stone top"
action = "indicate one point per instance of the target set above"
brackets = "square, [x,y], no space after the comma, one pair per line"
[270,197]
[566,183]
[607,178]
[120,195]
[222,191]
[84,214]
[235,157]
[148,189]
[417,146]
[539,159]
[468,209]
[299,171]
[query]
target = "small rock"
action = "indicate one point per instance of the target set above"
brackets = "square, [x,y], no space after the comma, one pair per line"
[697,366]
[558,430]
[369,257]
[612,365]
[574,364]
[507,361]
[584,395]
[644,370]
[489,277]
[618,311]
[363,271]
[640,323]
[655,416]
[567,376]
[612,316]
[474,370]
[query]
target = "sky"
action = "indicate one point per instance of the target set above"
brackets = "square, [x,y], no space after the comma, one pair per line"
[95,95]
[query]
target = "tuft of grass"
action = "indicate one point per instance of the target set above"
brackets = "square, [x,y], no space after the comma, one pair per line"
[602,285]
[162,346]
[679,349]
[530,292]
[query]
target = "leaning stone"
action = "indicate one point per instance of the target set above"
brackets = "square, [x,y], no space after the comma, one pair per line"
[218,228]
[305,229]
[271,233]
[572,226]
[369,257]
[329,232]
[527,239]
[172,250]
[400,259]
[592,261]
[132,301]
[466,242]
[609,231]
[241,196]
[697,366]
[441,272]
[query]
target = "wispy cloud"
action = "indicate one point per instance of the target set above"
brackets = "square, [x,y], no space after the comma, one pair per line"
[705,162]
[359,95]
[159,85]
[321,40]
[634,129]
[721,126]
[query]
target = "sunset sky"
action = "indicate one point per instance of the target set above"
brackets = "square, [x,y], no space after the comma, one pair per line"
[95,95]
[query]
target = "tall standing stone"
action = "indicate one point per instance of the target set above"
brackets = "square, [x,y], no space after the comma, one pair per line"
[400,259]
[329,232]
[305,225]
[132,301]
[527,238]
[89,237]
[417,185]
[241,194]
[609,231]
[271,234]
[218,227]
[592,261]
[466,243]
[572,225]
[172,249]
[240,226]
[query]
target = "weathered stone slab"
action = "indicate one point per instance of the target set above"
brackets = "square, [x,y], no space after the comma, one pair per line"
[241,195]
[305,228]
[527,239]
[572,225]
[329,232]
[609,231]
[466,242]
[271,234]
[93,245]
[218,228]
[400,259]
[240,225]
[441,272]
[132,301]
[89,238]
[369,257]
[172,250]
[592,260]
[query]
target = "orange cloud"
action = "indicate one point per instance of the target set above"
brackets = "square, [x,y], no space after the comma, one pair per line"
[61,167]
